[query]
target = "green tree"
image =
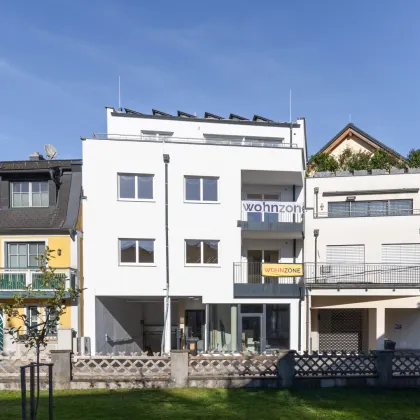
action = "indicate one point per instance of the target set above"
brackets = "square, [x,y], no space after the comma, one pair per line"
[414,158]
[358,161]
[382,159]
[323,162]
[53,302]
[344,158]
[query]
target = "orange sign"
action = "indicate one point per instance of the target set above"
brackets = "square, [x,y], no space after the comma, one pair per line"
[282,270]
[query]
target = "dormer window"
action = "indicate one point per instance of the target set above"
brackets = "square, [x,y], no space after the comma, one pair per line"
[29,194]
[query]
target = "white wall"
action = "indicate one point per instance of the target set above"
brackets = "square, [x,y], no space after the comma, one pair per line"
[371,231]
[106,219]
[408,336]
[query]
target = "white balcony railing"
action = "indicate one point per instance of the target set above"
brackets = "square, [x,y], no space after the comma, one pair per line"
[18,279]
[247,142]
[271,212]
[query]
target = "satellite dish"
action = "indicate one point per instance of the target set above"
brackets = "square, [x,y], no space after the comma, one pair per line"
[50,151]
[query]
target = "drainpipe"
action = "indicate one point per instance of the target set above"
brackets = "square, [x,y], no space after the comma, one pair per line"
[167,318]
[316,234]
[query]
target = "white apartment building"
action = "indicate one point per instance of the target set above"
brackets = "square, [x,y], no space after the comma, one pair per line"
[362,254]
[180,212]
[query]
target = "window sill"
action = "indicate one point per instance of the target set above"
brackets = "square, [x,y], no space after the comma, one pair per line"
[203,265]
[139,200]
[137,264]
[200,202]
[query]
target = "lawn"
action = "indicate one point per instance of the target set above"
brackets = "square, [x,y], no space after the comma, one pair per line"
[187,404]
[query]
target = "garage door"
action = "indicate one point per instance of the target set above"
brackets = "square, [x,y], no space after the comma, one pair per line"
[401,253]
[340,330]
[353,254]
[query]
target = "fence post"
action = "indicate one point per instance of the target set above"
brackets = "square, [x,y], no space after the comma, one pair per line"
[62,368]
[384,366]
[286,369]
[179,368]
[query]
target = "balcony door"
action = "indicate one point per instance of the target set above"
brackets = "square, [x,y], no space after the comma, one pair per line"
[255,259]
[262,216]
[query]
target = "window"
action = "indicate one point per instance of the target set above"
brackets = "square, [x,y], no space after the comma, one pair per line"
[30,194]
[263,217]
[24,255]
[52,322]
[34,317]
[135,187]
[201,188]
[370,208]
[201,251]
[137,251]
[37,319]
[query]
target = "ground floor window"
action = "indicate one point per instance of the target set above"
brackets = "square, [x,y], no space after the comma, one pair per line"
[249,327]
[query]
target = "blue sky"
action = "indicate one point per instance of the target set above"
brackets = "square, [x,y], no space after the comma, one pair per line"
[60,62]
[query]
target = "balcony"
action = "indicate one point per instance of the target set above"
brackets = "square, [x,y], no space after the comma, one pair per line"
[272,216]
[18,280]
[248,282]
[350,276]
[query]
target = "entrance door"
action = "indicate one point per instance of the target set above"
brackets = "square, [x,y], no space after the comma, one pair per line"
[196,321]
[251,327]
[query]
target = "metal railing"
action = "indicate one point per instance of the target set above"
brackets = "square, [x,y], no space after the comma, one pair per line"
[381,274]
[190,140]
[17,279]
[250,273]
[271,211]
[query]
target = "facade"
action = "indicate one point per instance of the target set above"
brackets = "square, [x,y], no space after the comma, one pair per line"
[39,208]
[180,213]
[362,254]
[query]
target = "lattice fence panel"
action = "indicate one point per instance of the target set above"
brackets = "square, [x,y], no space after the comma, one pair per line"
[335,364]
[406,363]
[238,364]
[10,365]
[121,366]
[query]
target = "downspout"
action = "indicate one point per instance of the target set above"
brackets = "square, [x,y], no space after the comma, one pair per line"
[300,294]
[166,161]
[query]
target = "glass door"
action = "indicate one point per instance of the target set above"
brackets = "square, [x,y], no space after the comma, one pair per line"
[251,327]
[195,320]
[254,258]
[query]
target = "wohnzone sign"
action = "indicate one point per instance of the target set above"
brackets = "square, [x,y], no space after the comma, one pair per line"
[282,270]
[288,207]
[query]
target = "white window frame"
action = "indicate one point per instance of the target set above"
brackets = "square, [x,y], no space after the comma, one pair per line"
[263,199]
[29,194]
[42,313]
[136,191]
[202,264]
[201,201]
[7,242]
[137,263]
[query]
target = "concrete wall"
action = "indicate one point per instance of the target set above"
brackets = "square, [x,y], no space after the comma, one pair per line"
[406,337]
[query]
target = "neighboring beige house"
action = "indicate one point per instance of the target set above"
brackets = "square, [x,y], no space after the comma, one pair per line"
[362,253]
[353,138]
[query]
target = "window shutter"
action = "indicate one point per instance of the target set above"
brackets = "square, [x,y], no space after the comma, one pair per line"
[401,253]
[354,254]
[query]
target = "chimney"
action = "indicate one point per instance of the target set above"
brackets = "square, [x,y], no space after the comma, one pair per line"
[36,156]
